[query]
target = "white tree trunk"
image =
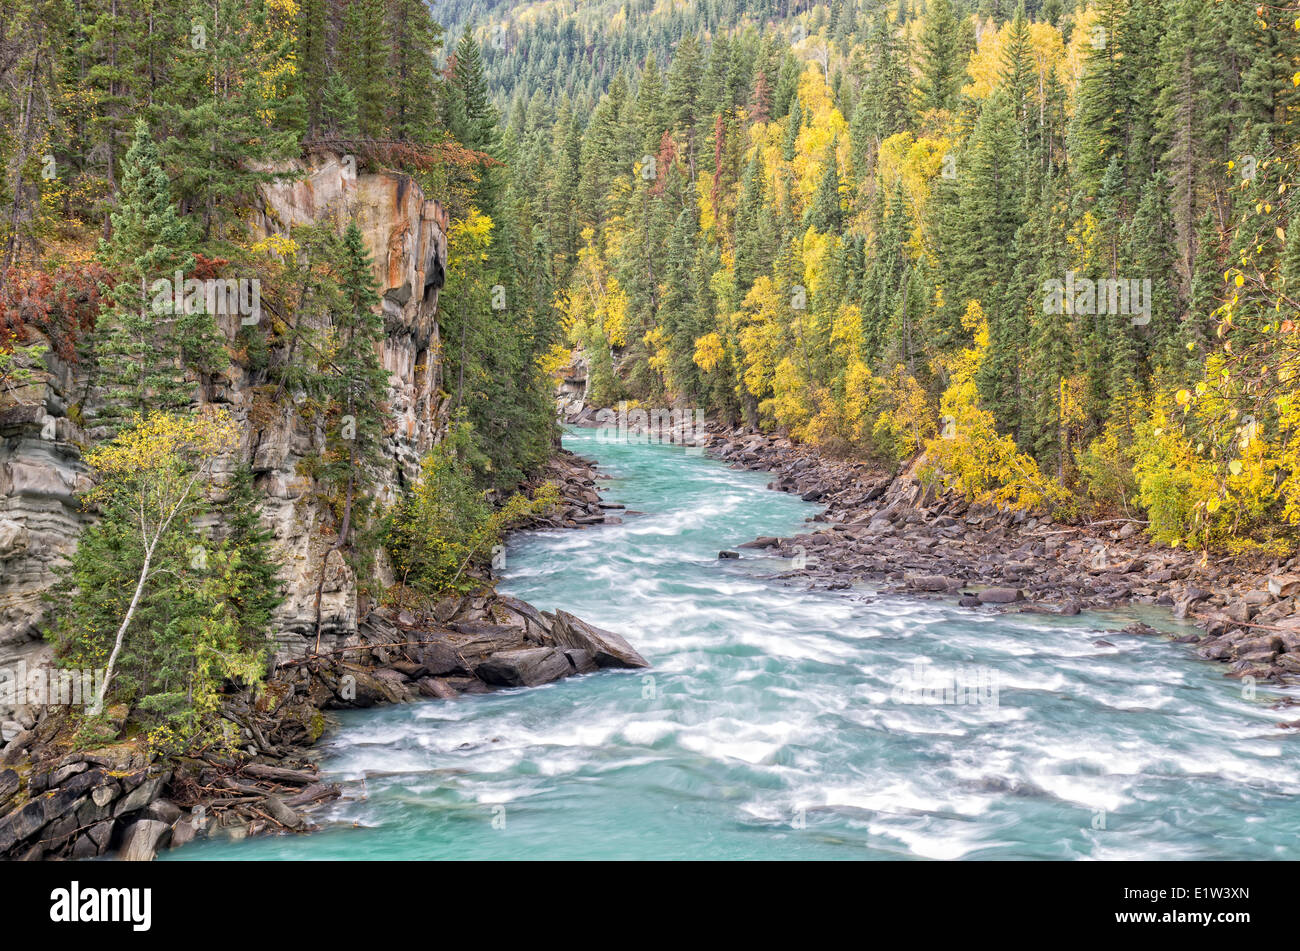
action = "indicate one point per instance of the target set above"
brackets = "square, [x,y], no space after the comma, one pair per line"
[121,632]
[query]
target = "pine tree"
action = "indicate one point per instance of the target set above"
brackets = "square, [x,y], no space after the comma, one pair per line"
[416,90]
[471,117]
[684,79]
[885,105]
[312,61]
[229,114]
[941,58]
[250,586]
[140,341]
[364,53]
[354,386]
[826,213]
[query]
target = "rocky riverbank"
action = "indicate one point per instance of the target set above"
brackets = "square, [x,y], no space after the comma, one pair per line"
[580,501]
[57,801]
[891,530]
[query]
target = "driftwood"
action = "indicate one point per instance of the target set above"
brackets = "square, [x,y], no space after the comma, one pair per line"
[280,774]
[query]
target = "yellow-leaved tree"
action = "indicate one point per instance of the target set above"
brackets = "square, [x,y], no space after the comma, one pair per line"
[969,454]
[158,471]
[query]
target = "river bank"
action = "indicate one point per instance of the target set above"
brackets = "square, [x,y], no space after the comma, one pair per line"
[787,722]
[892,530]
[59,801]
[889,529]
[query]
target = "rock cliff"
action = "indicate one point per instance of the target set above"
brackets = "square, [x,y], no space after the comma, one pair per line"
[41,472]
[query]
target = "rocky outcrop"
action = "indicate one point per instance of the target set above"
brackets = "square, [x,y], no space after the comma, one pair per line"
[405,233]
[571,390]
[126,800]
[41,473]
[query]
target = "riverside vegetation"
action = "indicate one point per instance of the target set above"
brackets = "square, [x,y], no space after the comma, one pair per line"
[1039,254]
[141,146]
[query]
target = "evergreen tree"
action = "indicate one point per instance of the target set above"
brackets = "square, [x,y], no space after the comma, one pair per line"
[941,58]
[364,51]
[416,90]
[143,344]
[354,386]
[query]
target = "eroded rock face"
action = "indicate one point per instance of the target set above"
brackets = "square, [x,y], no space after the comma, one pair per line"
[41,472]
[406,236]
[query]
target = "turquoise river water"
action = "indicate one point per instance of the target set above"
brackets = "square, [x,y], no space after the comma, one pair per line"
[781,723]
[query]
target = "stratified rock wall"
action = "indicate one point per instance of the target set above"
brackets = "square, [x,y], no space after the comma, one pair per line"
[41,471]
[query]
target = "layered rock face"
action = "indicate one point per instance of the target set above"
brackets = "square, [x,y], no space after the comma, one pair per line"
[406,235]
[41,472]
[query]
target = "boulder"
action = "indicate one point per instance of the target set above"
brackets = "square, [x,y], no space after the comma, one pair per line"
[8,785]
[1000,596]
[580,660]
[1284,586]
[21,824]
[183,833]
[934,583]
[607,648]
[142,839]
[162,810]
[439,660]
[1240,611]
[436,688]
[140,797]
[527,667]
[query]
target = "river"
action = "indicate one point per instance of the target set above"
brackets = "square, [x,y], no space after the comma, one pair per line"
[781,723]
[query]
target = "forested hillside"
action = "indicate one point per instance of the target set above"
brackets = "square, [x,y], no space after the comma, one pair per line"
[1043,251]
[212,382]
[1046,244]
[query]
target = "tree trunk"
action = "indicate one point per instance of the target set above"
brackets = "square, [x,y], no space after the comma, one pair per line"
[121,631]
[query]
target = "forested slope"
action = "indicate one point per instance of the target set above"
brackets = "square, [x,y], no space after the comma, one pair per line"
[1048,244]
[257,258]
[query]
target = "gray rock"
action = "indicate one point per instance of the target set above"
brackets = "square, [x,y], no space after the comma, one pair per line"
[1000,596]
[1240,611]
[581,660]
[1284,586]
[164,810]
[139,797]
[931,583]
[183,833]
[528,667]
[436,688]
[439,660]
[59,776]
[20,825]
[8,785]
[142,839]
[607,648]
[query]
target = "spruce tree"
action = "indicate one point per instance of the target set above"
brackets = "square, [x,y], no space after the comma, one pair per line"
[354,386]
[942,65]
[143,345]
